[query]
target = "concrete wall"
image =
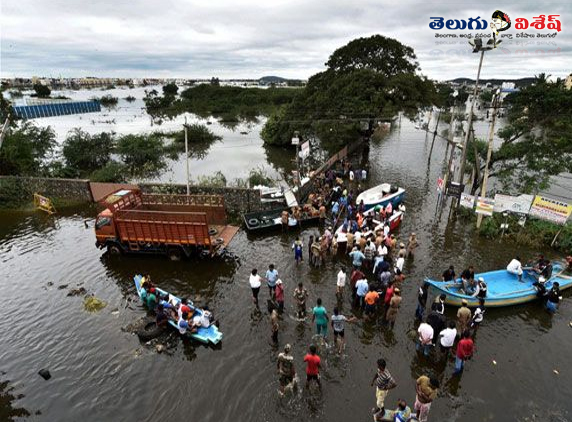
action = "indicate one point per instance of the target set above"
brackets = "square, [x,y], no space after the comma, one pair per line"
[236,200]
[17,190]
[14,190]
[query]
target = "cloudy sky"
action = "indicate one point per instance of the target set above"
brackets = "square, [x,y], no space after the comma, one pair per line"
[250,39]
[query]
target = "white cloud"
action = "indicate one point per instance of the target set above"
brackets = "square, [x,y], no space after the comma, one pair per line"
[250,38]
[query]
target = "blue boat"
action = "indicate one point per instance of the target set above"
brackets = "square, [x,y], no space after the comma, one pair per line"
[503,288]
[210,335]
[381,195]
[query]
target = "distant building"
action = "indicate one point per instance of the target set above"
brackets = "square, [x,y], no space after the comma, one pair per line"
[568,82]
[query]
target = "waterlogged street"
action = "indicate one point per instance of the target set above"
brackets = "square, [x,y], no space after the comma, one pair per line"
[101,371]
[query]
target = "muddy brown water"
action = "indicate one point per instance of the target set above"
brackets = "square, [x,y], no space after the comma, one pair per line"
[101,371]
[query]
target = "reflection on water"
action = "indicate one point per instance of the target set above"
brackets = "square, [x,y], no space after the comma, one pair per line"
[8,410]
[100,371]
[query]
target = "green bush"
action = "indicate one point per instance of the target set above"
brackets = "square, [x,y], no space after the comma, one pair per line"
[112,172]
[217,180]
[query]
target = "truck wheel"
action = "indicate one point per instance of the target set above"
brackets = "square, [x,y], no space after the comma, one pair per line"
[213,232]
[114,250]
[149,331]
[174,254]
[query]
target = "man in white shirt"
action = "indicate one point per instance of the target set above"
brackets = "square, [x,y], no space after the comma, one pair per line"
[341,282]
[447,338]
[399,263]
[255,285]
[424,342]
[515,267]
[362,288]
[382,250]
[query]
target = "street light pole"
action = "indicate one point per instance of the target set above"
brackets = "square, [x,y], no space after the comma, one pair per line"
[187,157]
[489,153]
[469,124]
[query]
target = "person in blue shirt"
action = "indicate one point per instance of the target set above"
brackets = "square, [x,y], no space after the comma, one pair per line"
[335,210]
[357,258]
[271,277]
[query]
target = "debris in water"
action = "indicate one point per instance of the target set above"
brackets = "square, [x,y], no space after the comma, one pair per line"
[62,286]
[556,372]
[160,348]
[51,283]
[45,374]
[93,304]
[77,292]
[494,362]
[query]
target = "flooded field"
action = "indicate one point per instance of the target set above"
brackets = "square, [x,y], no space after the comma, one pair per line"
[101,371]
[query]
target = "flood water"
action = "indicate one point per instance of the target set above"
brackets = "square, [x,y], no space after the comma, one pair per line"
[101,371]
[240,149]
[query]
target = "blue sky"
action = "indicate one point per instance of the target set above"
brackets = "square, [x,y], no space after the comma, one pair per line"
[250,39]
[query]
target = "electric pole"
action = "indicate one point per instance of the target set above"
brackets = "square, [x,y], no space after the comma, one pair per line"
[187,156]
[489,153]
[469,125]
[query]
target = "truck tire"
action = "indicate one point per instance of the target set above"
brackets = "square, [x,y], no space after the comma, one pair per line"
[253,222]
[149,331]
[213,231]
[174,254]
[114,249]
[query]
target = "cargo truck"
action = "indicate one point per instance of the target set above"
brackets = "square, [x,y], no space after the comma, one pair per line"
[173,225]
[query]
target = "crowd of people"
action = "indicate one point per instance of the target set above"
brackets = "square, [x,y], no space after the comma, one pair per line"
[372,284]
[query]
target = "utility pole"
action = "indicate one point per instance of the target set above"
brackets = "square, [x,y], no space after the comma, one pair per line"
[434,134]
[489,153]
[450,141]
[469,125]
[187,156]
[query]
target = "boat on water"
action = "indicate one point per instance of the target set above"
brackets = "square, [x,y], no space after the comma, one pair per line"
[503,288]
[394,222]
[381,195]
[210,335]
[272,219]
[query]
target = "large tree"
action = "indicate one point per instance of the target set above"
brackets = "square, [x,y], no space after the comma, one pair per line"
[25,150]
[369,78]
[537,141]
[85,153]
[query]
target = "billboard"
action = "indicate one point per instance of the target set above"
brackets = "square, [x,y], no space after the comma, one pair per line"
[517,204]
[485,206]
[550,209]
[467,201]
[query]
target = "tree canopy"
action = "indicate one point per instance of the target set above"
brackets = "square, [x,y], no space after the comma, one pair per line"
[367,79]
[536,142]
[42,91]
[25,149]
[85,153]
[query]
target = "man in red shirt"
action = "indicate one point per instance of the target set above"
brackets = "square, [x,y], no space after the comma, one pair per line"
[312,367]
[465,349]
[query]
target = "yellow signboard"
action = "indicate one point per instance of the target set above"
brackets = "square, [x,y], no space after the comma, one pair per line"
[550,209]
[43,203]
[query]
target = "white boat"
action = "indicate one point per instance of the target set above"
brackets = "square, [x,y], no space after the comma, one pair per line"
[381,195]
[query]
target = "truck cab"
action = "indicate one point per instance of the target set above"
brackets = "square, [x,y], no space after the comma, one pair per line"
[104,228]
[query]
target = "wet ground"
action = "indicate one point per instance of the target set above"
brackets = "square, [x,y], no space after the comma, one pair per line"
[101,371]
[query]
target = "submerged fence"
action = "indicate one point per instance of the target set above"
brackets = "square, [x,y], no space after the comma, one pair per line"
[56,109]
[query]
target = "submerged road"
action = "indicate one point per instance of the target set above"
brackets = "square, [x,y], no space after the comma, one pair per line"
[101,371]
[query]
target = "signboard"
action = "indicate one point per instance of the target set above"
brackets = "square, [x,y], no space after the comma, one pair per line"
[305,149]
[467,201]
[517,204]
[455,189]
[485,206]
[295,141]
[44,204]
[550,209]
